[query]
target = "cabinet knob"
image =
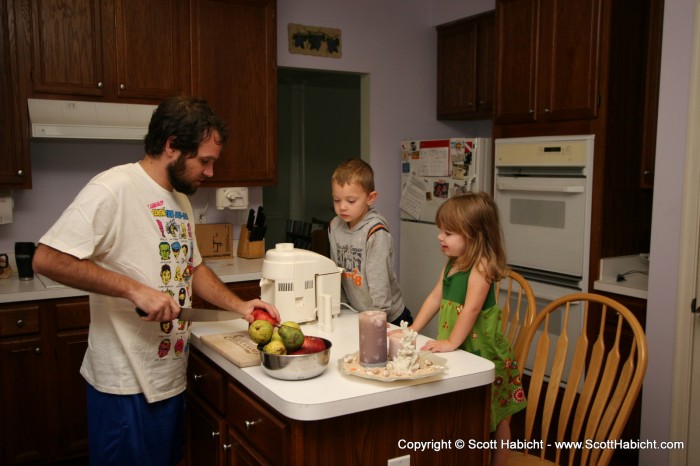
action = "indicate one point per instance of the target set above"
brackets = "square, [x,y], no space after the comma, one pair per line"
[646,173]
[215,434]
[546,110]
[122,87]
[227,446]
[470,104]
[196,377]
[20,323]
[99,85]
[20,172]
[37,350]
[531,111]
[249,424]
[481,102]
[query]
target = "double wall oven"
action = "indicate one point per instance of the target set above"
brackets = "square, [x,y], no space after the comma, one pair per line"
[543,187]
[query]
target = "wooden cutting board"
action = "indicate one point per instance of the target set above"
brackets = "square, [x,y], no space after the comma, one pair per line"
[237,347]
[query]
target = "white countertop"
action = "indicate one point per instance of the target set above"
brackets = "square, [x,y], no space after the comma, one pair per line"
[14,290]
[333,394]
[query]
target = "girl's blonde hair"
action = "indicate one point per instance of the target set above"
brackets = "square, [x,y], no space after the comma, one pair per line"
[475,217]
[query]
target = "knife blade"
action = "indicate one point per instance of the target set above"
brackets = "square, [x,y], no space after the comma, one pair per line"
[200,315]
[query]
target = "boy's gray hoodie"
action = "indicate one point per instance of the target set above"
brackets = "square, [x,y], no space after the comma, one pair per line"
[366,255]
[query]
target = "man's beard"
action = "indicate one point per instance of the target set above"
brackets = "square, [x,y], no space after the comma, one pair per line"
[176,176]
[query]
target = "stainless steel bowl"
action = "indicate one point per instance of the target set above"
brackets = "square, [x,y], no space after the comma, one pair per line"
[295,366]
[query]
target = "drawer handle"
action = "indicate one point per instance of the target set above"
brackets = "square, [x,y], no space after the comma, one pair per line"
[249,424]
[20,323]
[215,434]
[197,377]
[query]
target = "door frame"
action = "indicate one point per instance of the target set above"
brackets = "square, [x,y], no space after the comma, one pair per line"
[686,371]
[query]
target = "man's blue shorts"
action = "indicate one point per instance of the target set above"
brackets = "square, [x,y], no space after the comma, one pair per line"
[127,430]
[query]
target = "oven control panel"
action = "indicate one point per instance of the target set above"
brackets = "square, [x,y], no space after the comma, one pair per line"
[559,151]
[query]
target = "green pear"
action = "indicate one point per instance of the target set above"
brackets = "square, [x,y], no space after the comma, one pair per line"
[292,337]
[275,347]
[260,331]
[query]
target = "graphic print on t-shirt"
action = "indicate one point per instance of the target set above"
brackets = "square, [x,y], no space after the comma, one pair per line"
[175,274]
[350,258]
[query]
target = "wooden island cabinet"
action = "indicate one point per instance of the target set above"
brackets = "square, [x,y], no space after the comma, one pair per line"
[244,416]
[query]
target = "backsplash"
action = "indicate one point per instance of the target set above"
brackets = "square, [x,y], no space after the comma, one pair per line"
[60,169]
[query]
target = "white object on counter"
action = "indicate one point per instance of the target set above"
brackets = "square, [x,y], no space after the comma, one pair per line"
[6,206]
[333,394]
[325,317]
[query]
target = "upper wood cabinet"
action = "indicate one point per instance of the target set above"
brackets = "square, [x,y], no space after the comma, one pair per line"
[116,50]
[234,68]
[14,167]
[465,68]
[548,60]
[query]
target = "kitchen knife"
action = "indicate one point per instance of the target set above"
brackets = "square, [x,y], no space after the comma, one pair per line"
[251,219]
[260,217]
[200,315]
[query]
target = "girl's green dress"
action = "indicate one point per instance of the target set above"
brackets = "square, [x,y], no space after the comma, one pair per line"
[485,340]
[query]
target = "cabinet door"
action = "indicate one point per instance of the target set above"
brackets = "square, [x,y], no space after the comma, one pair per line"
[205,435]
[27,415]
[486,63]
[66,55]
[570,32]
[516,58]
[14,164]
[71,394]
[457,69]
[234,69]
[151,40]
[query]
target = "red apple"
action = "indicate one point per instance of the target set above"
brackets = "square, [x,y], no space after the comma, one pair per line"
[313,344]
[300,351]
[262,314]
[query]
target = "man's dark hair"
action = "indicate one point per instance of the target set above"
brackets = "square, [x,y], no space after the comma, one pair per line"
[189,120]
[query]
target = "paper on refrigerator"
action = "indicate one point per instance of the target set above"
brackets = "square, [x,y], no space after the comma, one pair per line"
[413,197]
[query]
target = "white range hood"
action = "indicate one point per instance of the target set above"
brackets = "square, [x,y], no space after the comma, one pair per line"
[70,119]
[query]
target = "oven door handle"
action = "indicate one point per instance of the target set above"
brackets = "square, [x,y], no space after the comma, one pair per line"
[506,186]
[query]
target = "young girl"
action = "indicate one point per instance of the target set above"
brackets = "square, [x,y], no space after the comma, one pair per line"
[470,236]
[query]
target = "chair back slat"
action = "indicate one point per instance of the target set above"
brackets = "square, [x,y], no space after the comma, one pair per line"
[518,306]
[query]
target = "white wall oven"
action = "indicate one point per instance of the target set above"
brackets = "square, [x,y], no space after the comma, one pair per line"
[542,186]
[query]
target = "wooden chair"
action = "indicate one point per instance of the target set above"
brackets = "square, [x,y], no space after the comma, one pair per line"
[602,382]
[517,302]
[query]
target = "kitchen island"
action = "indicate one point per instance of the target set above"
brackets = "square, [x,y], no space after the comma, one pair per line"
[350,419]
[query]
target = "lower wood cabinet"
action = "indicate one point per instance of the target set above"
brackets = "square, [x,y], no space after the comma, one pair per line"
[43,410]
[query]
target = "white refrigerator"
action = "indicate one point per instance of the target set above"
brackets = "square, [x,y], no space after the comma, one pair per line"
[432,171]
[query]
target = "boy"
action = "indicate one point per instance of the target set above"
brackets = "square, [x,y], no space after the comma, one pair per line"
[361,244]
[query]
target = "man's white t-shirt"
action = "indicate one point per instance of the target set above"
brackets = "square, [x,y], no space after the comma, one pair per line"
[126,222]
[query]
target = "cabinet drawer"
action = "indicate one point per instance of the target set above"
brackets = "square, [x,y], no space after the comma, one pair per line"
[73,314]
[206,381]
[257,425]
[19,320]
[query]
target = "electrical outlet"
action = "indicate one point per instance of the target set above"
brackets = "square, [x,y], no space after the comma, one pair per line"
[400,461]
[200,215]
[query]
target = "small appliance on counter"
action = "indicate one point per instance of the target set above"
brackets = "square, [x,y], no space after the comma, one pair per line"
[301,283]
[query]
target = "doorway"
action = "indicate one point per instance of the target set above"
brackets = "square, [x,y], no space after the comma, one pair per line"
[319,125]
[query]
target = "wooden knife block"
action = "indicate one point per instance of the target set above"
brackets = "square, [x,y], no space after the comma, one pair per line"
[249,249]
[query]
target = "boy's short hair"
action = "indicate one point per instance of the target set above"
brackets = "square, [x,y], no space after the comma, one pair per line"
[355,171]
